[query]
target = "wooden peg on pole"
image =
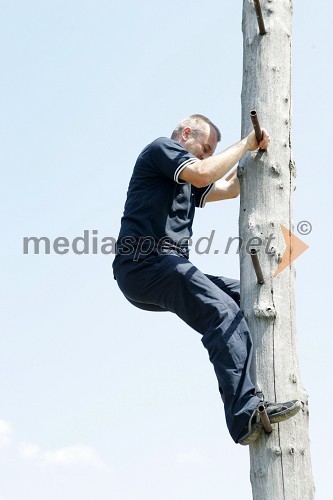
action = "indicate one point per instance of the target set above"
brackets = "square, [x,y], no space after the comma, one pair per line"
[256,126]
[260,19]
[256,265]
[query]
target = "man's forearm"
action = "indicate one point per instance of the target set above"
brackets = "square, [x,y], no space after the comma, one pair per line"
[224,189]
[213,168]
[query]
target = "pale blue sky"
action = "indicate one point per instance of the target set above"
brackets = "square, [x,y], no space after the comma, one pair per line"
[100,400]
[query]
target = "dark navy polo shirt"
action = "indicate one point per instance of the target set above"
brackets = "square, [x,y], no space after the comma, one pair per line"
[160,207]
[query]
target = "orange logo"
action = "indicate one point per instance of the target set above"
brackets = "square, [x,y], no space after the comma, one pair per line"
[294,248]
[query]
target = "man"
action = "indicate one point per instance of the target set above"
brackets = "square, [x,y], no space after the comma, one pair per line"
[171,177]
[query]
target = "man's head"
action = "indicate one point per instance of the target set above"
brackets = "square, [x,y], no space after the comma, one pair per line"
[198,135]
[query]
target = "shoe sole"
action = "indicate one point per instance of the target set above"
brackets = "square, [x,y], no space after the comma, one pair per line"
[253,435]
[280,417]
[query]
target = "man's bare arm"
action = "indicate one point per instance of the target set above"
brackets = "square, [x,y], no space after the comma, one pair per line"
[211,169]
[224,189]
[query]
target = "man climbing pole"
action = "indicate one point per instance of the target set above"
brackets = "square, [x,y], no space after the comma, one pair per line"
[152,268]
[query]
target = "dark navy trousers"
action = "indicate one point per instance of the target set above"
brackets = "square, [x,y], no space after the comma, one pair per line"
[210,305]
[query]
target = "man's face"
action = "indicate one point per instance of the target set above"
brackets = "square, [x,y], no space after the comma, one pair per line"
[203,145]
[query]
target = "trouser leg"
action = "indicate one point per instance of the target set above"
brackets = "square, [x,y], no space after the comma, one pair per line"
[230,286]
[175,284]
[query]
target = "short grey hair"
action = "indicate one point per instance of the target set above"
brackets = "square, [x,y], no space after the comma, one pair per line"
[195,122]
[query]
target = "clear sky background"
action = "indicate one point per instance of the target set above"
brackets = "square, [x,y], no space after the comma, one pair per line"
[99,400]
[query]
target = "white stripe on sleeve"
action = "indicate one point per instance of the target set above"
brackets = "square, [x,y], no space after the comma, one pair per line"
[202,202]
[181,167]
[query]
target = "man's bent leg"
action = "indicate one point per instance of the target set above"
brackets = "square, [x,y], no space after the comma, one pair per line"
[175,284]
[228,285]
[146,307]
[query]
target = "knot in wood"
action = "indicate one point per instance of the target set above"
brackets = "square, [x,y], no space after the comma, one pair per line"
[292,167]
[276,168]
[260,472]
[266,311]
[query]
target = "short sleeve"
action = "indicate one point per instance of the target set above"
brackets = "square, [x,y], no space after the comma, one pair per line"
[170,158]
[200,195]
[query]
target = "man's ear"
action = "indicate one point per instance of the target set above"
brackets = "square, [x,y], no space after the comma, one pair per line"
[186,133]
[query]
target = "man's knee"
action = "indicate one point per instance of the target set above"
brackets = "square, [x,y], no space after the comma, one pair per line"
[229,286]
[146,306]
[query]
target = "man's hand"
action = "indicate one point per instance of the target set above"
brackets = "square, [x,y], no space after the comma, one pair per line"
[252,144]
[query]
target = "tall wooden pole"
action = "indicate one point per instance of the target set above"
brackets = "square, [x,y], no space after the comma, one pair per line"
[280,461]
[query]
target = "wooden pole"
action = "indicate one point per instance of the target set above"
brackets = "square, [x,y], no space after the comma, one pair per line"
[280,461]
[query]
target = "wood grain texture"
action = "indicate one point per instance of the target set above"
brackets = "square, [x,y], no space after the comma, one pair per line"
[280,461]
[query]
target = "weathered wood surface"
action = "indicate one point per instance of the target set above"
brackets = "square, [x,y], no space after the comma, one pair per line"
[280,461]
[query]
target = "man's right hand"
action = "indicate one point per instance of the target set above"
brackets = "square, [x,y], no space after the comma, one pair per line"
[252,144]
